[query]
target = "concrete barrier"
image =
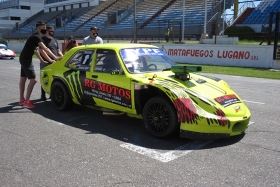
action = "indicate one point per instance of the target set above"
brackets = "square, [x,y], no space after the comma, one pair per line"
[222,55]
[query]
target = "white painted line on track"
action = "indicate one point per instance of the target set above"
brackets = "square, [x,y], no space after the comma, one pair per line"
[253,102]
[170,155]
[14,68]
[55,122]
[5,87]
[72,119]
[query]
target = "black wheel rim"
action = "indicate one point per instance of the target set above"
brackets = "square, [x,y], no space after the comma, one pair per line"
[58,96]
[158,117]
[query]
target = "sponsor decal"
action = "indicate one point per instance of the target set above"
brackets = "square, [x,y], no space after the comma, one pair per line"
[237,108]
[227,100]
[107,92]
[73,78]
[222,120]
[221,54]
[186,110]
[134,53]
[152,79]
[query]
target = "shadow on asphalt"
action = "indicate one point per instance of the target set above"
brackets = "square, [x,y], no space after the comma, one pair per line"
[122,128]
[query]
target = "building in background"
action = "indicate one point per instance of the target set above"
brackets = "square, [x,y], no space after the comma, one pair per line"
[56,5]
[15,12]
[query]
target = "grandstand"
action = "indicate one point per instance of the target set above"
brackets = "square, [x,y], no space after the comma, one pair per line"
[115,18]
[260,15]
[258,19]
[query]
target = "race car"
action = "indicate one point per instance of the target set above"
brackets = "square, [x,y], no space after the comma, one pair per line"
[6,53]
[141,81]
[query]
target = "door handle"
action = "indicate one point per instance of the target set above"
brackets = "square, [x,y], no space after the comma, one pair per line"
[94,76]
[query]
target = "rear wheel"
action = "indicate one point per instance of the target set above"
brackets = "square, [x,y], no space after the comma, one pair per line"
[60,96]
[160,117]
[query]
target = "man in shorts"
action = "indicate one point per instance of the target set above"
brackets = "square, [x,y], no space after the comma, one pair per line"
[27,69]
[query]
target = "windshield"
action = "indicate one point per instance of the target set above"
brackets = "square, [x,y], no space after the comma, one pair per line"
[139,60]
[3,47]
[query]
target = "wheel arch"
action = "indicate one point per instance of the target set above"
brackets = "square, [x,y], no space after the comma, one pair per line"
[144,95]
[59,79]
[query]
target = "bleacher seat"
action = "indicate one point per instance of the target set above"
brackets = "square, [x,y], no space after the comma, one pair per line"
[261,14]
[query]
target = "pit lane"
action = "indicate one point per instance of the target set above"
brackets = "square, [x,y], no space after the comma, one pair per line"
[81,147]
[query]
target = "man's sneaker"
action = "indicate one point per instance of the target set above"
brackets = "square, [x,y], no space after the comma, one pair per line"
[43,98]
[28,104]
[21,102]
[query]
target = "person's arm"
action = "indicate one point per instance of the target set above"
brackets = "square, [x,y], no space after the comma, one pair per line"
[38,54]
[59,53]
[48,51]
[100,40]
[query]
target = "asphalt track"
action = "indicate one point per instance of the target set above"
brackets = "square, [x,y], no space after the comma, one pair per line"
[81,147]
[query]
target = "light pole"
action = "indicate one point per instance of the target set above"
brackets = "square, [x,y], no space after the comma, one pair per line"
[205,17]
[224,17]
[64,30]
[183,21]
[134,33]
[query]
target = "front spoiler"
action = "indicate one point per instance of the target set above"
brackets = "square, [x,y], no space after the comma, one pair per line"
[198,135]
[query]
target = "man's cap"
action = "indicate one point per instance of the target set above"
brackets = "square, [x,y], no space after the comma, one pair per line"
[39,23]
[94,28]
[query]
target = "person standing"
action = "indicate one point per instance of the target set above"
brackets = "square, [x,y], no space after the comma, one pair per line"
[163,49]
[71,42]
[167,34]
[93,37]
[52,44]
[27,68]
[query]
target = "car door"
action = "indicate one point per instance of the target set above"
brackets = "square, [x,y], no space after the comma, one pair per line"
[76,77]
[110,87]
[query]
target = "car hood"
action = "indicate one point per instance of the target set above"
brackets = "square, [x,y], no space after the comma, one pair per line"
[6,51]
[209,93]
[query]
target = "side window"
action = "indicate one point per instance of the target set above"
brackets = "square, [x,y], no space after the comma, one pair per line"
[81,60]
[106,61]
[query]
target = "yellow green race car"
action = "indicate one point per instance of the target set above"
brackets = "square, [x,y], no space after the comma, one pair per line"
[143,82]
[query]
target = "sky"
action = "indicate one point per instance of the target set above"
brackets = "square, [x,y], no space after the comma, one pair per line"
[249,3]
[245,2]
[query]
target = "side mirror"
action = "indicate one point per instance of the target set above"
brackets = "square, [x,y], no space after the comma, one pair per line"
[115,72]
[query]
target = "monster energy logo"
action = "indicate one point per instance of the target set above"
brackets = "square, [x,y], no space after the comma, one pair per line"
[75,84]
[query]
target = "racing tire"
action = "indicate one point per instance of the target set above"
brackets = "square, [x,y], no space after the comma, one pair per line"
[60,96]
[160,117]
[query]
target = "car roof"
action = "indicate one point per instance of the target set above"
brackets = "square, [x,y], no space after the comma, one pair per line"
[120,45]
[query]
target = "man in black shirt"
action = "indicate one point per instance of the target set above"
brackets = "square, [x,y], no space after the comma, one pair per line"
[52,44]
[27,68]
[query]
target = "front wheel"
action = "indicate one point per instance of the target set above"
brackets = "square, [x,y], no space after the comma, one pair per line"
[160,117]
[60,96]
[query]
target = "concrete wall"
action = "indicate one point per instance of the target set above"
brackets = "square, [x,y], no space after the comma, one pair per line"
[223,55]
